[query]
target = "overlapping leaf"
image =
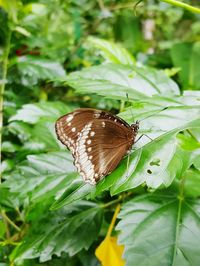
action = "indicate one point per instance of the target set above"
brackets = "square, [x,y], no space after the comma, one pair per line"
[160,229]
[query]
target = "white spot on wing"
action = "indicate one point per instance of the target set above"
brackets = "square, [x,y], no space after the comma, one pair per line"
[83,161]
[69,118]
[73,129]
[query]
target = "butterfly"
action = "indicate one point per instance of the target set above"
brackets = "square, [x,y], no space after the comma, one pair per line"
[97,139]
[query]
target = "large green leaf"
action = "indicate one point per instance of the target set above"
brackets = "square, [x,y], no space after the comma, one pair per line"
[160,229]
[155,164]
[112,52]
[68,230]
[115,81]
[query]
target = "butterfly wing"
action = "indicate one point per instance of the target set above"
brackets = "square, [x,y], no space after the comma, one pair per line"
[97,139]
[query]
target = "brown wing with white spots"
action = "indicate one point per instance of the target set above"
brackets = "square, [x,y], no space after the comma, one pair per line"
[97,139]
[69,126]
[105,144]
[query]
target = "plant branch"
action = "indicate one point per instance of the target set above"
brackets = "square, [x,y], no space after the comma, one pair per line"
[7,219]
[183,5]
[2,85]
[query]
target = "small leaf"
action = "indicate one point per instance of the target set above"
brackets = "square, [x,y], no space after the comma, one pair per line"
[110,253]
[23,31]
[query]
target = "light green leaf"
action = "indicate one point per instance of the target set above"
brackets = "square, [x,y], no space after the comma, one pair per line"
[160,228]
[115,81]
[23,31]
[42,176]
[68,230]
[192,181]
[112,52]
[31,113]
[33,69]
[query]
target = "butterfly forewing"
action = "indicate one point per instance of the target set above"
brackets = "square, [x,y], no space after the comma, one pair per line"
[97,139]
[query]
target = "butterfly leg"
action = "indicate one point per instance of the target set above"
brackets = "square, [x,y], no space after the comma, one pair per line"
[143,136]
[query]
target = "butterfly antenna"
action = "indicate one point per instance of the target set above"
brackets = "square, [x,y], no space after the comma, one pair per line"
[131,112]
[157,112]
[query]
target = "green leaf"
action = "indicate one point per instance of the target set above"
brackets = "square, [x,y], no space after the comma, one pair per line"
[112,52]
[31,113]
[11,7]
[155,164]
[115,81]
[2,228]
[160,227]
[42,176]
[186,56]
[192,181]
[68,230]
[33,69]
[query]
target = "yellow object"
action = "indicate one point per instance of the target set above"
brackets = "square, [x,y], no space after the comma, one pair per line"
[109,252]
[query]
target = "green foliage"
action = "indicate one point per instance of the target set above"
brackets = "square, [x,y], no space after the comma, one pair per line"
[160,227]
[68,228]
[186,56]
[64,55]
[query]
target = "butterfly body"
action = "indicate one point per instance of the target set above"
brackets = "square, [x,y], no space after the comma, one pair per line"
[97,139]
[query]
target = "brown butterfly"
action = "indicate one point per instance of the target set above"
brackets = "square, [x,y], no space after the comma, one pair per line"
[97,139]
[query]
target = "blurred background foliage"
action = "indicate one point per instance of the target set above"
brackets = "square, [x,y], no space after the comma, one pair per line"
[47,40]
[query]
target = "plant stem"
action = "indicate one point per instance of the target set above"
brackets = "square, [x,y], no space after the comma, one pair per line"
[180,198]
[182,5]
[110,229]
[192,135]
[7,219]
[2,85]
[121,198]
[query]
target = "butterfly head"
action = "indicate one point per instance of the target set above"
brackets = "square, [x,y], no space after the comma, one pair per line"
[135,126]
